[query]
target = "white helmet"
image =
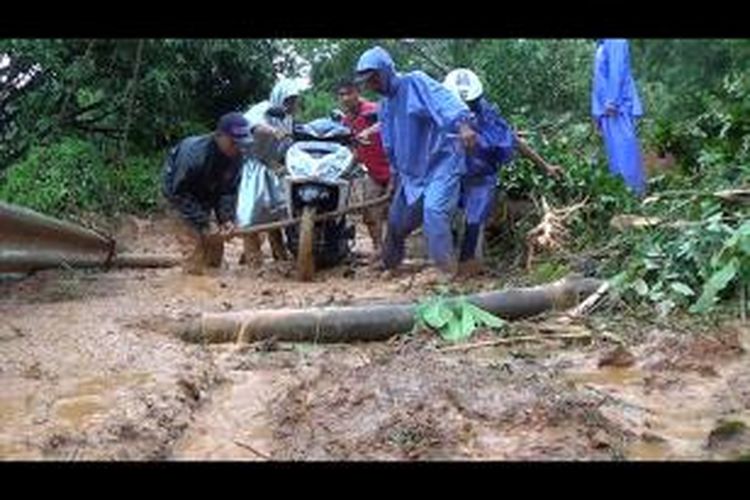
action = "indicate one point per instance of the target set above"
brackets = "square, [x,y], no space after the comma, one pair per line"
[464,83]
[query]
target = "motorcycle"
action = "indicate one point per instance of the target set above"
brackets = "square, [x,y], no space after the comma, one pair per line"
[319,167]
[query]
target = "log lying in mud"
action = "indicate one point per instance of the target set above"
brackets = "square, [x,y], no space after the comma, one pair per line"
[128,260]
[740,195]
[372,322]
[624,222]
[36,260]
[31,241]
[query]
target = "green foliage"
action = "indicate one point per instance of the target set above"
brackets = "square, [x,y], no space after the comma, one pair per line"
[455,320]
[90,130]
[730,264]
[693,266]
[317,104]
[72,176]
[549,271]
[137,94]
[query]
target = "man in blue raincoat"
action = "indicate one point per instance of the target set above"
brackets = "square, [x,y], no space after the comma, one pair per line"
[496,144]
[425,131]
[615,107]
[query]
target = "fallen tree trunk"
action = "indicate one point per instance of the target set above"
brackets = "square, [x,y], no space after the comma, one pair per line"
[37,260]
[623,222]
[372,322]
[739,195]
[30,241]
[127,260]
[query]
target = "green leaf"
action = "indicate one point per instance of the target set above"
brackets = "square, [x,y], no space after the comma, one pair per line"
[656,295]
[483,317]
[744,245]
[651,264]
[664,307]
[436,314]
[681,288]
[452,331]
[715,284]
[617,281]
[468,323]
[640,287]
[744,229]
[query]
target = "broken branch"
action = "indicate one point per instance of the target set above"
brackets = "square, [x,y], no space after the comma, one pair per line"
[513,340]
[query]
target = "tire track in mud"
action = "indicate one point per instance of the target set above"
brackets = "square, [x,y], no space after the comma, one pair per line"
[88,371]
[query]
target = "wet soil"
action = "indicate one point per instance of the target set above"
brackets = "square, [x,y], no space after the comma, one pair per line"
[89,370]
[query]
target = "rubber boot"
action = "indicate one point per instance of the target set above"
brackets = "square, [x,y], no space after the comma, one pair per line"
[253,256]
[276,240]
[214,250]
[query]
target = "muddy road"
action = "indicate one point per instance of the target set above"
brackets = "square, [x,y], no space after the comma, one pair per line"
[90,371]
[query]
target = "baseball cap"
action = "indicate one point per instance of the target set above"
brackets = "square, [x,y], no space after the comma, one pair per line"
[236,126]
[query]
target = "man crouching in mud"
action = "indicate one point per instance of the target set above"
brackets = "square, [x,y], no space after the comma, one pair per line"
[202,175]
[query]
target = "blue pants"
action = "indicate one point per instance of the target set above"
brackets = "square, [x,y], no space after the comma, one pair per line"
[623,150]
[435,208]
[477,200]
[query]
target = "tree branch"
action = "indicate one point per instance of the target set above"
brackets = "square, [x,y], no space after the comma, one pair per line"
[131,98]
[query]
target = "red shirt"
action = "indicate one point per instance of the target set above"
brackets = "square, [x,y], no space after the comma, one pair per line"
[372,155]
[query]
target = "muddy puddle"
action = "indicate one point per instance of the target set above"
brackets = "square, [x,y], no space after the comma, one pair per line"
[413,402]
[88,371]
[672,413]
[235,426]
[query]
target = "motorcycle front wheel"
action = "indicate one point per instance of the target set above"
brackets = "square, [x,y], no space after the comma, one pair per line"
[305,256]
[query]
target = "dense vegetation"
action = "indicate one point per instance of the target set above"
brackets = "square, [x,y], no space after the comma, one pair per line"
[85,125]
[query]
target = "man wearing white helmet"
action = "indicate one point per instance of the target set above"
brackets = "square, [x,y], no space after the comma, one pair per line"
[496,143]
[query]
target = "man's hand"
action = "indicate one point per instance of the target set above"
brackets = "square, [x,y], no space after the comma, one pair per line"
[274,132]
[468,137]
[595,124]
[363,138]
[610,109]
[211,229]
[392,183]
[227,228]
[553,170]
[280,134]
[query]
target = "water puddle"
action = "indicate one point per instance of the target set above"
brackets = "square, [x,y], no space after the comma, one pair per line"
[79,411]
[234,425]
[673,421]
[74,405]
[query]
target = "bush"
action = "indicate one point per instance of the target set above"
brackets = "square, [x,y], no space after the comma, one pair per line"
[72,176]
[317,104]
[708,258]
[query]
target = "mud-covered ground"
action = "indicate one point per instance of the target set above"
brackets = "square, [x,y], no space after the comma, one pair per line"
[89,370]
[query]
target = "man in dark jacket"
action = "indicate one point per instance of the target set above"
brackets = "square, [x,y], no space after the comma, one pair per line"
[201,176]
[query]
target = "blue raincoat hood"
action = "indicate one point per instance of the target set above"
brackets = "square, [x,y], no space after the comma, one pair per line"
[378,59]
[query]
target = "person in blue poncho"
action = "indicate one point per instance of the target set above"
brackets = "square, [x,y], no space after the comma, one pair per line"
[496,144]
[261,193]
[425,132]
[615,107]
